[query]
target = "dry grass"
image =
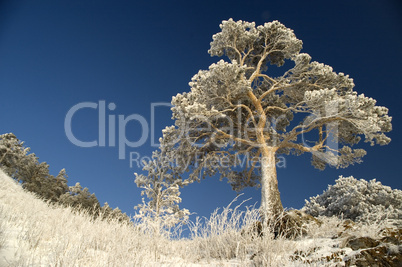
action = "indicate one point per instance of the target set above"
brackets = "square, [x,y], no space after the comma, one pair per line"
[33,233]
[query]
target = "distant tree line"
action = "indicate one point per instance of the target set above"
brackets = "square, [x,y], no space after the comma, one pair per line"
[24,167]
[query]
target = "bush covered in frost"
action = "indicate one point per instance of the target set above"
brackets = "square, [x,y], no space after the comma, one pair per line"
[357,200]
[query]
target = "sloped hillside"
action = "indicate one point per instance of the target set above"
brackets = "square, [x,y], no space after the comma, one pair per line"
[32,233]
[36,234]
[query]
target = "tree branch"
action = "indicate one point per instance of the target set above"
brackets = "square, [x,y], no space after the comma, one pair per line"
[229,136]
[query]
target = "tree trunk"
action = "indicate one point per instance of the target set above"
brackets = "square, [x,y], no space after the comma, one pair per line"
[271,204]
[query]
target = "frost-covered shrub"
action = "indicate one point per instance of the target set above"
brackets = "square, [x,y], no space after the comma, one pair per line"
[357,200]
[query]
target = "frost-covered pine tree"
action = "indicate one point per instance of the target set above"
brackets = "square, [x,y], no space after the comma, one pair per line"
[36,178]
[107,213]
[242,109]
[12,154]
[161,187]
[81,198]
[26,168]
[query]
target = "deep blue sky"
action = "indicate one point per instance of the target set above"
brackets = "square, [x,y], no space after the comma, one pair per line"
[56,54]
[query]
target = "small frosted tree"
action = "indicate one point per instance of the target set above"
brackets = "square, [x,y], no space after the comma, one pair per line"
[243,110]
[161,187]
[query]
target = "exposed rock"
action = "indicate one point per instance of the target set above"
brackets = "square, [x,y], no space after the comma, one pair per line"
[386,250]
[393,232]
[301,255]
[376,252]
[375,257]
[360,243]
[391,240]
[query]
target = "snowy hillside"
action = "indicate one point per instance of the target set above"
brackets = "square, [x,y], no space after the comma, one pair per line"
[33,233]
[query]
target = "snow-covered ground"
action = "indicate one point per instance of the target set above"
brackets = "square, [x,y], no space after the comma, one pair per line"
[32,233]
